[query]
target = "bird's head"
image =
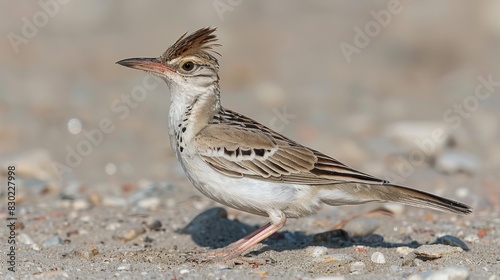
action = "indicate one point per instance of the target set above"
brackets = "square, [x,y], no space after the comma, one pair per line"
[189,65]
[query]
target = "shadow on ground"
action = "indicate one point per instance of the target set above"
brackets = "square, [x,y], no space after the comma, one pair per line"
[213,229]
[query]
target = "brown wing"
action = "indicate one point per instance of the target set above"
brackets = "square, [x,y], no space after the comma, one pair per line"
[238,146]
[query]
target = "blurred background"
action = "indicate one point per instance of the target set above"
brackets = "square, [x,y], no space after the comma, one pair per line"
[364,82]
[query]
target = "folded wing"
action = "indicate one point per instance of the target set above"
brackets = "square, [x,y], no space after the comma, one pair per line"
[236,150]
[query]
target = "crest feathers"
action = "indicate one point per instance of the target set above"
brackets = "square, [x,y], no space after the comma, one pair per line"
[200,43]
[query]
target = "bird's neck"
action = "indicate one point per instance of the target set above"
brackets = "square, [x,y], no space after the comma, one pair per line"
[190,113]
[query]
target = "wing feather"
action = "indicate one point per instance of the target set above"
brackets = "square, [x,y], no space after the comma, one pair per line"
[237,146]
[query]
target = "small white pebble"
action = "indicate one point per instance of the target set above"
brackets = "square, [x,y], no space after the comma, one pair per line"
[472,238]
[378,257]
[184,271]
[124,267]
[23,238]
[403,251]
[81,204]
[150,203]
[317,251]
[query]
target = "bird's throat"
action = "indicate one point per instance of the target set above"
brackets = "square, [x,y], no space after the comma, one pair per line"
[188,116]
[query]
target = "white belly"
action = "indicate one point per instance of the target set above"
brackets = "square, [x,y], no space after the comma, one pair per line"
[250,195]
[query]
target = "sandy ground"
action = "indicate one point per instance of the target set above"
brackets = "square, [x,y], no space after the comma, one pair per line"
[417,102]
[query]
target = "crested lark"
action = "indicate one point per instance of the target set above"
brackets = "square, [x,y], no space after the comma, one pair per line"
[242,164]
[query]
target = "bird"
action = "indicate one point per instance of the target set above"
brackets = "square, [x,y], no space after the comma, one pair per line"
[240,163]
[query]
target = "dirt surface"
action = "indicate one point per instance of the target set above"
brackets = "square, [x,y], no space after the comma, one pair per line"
[99,194]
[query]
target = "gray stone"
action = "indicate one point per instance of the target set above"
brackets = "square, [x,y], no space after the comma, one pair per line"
[128,233]
[436,251]
[86,252]
[56,240]
[154,224]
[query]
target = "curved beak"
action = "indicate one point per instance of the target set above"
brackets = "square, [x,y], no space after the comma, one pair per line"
[152,65]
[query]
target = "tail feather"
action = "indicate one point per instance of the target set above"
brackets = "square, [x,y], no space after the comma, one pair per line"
[394,193]
[418,198]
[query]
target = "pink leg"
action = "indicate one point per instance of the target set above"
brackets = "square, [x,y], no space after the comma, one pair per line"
[259,235]
[247,237]
[238,247]
[221,252]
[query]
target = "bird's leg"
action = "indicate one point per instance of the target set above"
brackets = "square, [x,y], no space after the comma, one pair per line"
[240,241]
[224,251]
[238,247]
[256,237]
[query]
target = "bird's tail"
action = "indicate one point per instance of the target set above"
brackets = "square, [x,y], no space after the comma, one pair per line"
[356,193]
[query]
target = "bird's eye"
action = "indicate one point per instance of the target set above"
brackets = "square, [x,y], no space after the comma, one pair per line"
[188,66]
